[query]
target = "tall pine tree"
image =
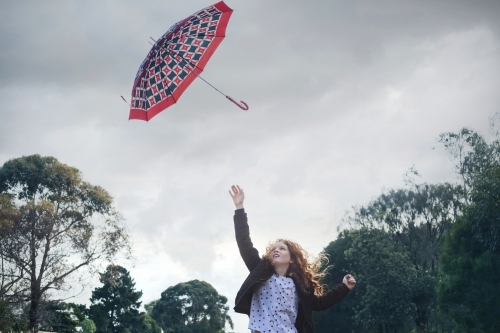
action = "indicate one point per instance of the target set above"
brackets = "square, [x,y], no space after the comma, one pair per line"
[115,305]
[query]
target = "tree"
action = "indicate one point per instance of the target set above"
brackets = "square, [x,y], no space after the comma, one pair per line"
[193,306]
[472,154]
[12,288]
[149,306]
[340,317]
[7,317]
[59,317]
[385,278]
[115,305]
[59,225]
[88,326]
[484,209]
[470,288]
[418,217]
[146,324]
[387,282]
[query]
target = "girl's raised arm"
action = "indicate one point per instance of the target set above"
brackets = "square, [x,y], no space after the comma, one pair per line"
[248,252]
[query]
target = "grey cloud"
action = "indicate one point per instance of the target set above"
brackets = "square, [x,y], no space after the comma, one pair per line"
[89,43]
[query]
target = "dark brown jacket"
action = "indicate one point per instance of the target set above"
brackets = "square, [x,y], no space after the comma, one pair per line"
[259,273]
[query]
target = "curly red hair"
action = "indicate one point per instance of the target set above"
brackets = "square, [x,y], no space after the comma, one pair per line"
[306,271]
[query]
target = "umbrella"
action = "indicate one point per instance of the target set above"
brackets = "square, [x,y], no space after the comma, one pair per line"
[176,59]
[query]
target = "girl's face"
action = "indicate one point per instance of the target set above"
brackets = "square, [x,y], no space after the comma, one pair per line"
[280,254]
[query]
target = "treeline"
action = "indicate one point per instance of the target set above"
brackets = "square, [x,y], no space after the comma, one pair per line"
[426,256]
[54,225]
[193,306]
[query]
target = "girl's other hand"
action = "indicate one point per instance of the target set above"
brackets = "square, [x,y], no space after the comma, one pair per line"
[238,196]
[349,281]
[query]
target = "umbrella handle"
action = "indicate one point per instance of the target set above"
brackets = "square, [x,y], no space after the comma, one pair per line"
[245,107]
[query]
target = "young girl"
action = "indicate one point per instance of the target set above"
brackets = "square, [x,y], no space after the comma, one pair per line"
[283,288]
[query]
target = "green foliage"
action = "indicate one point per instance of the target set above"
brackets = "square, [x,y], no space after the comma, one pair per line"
[115,305]
[193,306]
[8,214]
[88,326]
[77,311]
[146,324]
[484,211]
[58,317]
[340,317]
[387,283]
[385,276]
[47,211]
[418,217]
[416,220]
[470,289]
[472,153]
[7,317]
[149,306]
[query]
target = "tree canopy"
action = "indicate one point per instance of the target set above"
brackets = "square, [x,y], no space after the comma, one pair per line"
[383,298]
[60,317]
[53,224]
[193,306]
[470,289]
[418,217]
[115,305]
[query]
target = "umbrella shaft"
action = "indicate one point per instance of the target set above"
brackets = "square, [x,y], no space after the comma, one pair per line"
[192,71]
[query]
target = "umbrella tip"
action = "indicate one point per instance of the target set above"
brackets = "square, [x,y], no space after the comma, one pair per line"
[126,101]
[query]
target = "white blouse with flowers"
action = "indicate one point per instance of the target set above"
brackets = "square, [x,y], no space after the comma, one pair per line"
[274,306]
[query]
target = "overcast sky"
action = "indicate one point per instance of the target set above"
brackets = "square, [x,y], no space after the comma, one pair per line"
[344,96]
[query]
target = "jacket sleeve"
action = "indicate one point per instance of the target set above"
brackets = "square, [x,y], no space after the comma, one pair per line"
[249,253]
[320,303]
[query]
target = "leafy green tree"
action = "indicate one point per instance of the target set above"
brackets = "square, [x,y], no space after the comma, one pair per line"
[470,289]
[472,154]
[193,306]
[340,317]
[13,289]
[115,305]
[54,232]
[59,317]
[417,218]
[146,324]
[387,283]
[484,210]
[149,306]
[385,278]
[7,317]
[88,326]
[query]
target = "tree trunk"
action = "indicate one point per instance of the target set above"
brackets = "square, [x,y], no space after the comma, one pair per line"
[36,294]
[33,314]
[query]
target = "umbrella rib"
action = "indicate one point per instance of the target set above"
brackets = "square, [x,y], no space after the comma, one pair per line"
[192,71]
[198,35]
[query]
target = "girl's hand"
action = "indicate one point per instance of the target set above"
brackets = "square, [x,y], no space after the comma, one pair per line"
[238,196]
[349,281]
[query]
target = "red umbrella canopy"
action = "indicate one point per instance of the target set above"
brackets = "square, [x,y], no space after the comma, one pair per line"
[176,59]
